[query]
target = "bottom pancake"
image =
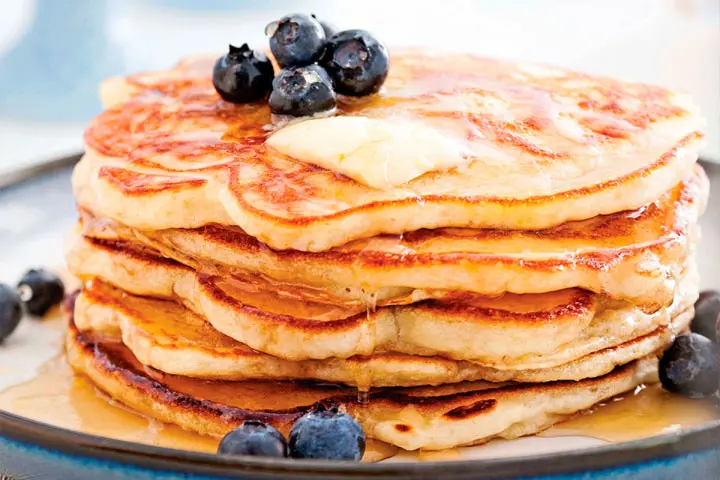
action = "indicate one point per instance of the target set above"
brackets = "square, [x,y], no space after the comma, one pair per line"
[171,338]
[429,418]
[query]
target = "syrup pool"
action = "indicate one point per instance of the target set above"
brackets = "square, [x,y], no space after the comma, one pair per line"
[60,398]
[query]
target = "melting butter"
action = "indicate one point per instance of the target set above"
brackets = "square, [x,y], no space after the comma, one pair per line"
[376,152]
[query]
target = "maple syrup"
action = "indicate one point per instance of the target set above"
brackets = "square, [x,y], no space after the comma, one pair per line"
[646,412]
[60,398]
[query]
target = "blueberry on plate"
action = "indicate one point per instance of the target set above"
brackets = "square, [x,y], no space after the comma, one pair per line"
[327,434]
[243,75]
[690,366]
[254,438]
[296,40]
[707,309]
[11,311]
[357,62]
[40,290]
[328,28]
[302,91]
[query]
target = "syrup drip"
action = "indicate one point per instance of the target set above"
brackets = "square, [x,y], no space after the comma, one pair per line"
[362,374]
[363,397]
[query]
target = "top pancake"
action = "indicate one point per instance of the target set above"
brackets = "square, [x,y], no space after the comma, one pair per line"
[545,146]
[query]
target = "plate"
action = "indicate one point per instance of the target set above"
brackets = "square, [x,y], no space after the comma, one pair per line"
[36,211]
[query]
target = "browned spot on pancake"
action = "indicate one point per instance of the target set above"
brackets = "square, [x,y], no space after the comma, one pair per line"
[509,133]
[134,250]
[468,411]
[134,183]
[402,428]
[417,397]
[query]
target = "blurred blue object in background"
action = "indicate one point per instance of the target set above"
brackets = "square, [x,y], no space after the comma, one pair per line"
[52,73]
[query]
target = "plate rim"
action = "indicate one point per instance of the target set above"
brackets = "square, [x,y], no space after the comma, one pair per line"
[32,433]
[607,457]
[19,176]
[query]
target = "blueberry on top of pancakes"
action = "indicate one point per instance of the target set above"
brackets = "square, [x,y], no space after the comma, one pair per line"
[357,62]
[296,40]
[302,91]
[243,75]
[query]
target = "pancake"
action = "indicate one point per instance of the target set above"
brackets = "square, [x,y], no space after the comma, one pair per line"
[429,418]
[169,153]
[634,256]
[507,332]
[168,337]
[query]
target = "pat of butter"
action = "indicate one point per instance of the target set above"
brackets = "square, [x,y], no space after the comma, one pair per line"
[378,153]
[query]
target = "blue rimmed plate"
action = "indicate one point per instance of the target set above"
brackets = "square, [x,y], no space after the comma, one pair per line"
[36,208]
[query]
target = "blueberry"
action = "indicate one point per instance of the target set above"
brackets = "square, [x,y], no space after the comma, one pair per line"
[254,438]
[356,61]
[11,311]
[707,309]
[243,75]
[327,434]
[302,91]
[40,290]
[328,28]
[691,366]
[296,40]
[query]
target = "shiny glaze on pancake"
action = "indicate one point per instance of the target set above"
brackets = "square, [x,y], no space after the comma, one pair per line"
[550,141]
[506,332]
[169,337]
[633,255]
[423,417]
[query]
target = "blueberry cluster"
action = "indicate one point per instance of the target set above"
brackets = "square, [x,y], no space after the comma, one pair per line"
[324,434]
[37,292]
[691,365]
[317,64]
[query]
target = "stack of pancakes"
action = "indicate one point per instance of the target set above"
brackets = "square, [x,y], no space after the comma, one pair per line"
[227,276]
